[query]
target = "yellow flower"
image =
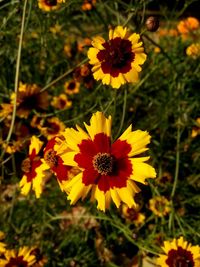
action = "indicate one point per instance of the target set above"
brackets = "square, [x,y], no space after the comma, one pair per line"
[49,5]
[72,87]
[117,61]
[61,102]
[22,257]
[108,170]
[159,205]
[179,253]
[33,168]
[193,50]
[52,127]
[132,215]
[56,29]
[6,110]
[196,129]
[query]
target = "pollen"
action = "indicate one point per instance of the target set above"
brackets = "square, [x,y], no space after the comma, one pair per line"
[51,158]
[103,163]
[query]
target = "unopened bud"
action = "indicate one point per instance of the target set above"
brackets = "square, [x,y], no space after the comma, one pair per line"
[152,24]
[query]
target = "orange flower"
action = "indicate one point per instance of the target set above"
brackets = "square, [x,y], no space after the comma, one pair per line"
[188,25]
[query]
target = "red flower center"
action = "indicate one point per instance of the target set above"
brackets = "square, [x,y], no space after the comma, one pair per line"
[51,2]
[103,164]
[71,86]
[17,262]
[180,258]
[117,56]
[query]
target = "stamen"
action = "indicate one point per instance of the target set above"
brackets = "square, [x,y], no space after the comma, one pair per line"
[51,158]
[103,163]
[26,165]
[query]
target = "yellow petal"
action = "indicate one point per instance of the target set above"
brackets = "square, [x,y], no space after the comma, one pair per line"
[97,42]
[92,55]
[35,144]
[142,171]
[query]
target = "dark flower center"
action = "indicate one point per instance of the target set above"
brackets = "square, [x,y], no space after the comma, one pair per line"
[132,214]
[103,163]
[116,57]
[51,158]
[17,262]
[180,258]
[51,2]
[71,86]
[52,127]
[26,165]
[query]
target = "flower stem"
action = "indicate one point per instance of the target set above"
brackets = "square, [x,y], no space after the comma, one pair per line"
[16,78]
[123,113]
[63,76]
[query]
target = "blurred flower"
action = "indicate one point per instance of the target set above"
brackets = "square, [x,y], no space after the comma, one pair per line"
[164,179]
[61,102]
[188,25]
[84,75]
[132,215]
[52,151]
[68,50]
[49,5]
[22,258]
[108,170]
[196,129]
[33,169]
[29,98]
[157,49]
[56,29]
[72,87]
[179,253]
[167,32]
[88,4]
[36,122]
[2,246]
[6,110]
[12,147]
[193,50]
[160,206]
[117,61]
[85,42]
[52,127]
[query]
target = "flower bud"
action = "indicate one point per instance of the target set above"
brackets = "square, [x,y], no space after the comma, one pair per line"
[152,23]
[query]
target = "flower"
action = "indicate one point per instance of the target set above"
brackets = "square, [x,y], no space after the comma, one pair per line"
[196,129]
[160,206]
[72,87]
[22,258]
[6,110]
[108,170]
[193,50]
[188,25]
[133,215]
[49,5]
[52,157]
[179,253]
[52,127]
[61,102]
[29,98]
[83,74]
[33,169]
[88,5]
[117,60]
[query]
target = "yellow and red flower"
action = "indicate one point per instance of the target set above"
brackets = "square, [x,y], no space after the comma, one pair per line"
[52,151]
[49,5]
[160,206]
[22,258]
[179,253]
[72,87]
[110,171]
[51,127]
[117,61]
[33,168]
[29,98]
[133,215]
[61,102]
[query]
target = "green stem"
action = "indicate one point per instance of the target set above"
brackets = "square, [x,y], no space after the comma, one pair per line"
[177,160]
[123,113]
[62,76]
[16,78]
